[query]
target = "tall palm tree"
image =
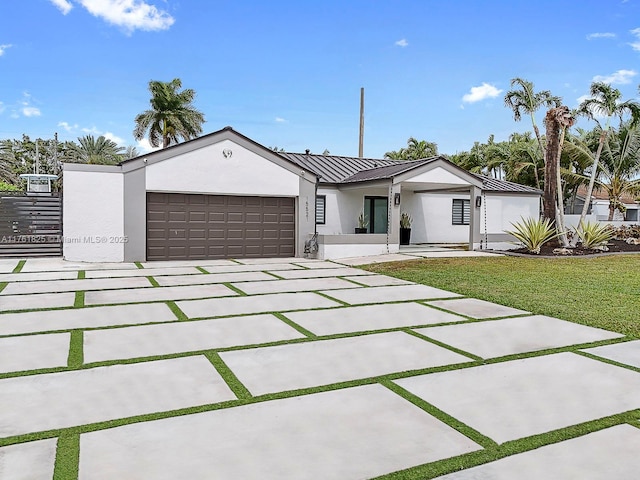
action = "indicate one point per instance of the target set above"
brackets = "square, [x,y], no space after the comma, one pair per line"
[101,150]
[415,150]
[172,115]
[524,100]
[619,164]
[604,102]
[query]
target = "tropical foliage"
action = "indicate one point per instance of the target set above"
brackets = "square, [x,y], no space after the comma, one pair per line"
[415,150]
[533,233]
[594,235]
[172,116]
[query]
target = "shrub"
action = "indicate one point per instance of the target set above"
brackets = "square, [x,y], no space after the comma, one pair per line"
[533,233]
[405,220]
[594,235]
[8,187]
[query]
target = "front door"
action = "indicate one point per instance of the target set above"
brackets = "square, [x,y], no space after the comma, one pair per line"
[376,210]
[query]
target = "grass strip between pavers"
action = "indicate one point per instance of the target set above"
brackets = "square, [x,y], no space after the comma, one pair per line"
[79,300]
[294,325]
[202,270]
[173,306]
[236,386]
[76,349]
[139,265]
[233,288]
[608,360]
[153,281]
[81,275]
[67,457]
[19,266]
[3,285]
[443,345]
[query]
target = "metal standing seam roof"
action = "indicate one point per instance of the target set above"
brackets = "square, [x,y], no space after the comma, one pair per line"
[495,185]
[339,169]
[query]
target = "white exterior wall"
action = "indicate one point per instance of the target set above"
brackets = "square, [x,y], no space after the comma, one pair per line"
[431,214]
[206,170]
[343,208]
[336,251]
[93,204]
[503,210]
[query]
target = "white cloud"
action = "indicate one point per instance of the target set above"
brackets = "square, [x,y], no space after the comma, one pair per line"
[145,147]
[129,14]
[620,77]
[67,127]
[591,36]
[482,92]
[402,43]
[114,138]
[280,120]
[63,5]
[31,111]
[91,131]
[636,45]
[4,47]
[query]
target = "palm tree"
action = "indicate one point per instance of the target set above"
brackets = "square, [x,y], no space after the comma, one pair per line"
[8,162]
[415,150]
[619,164]
[526,101]
[172,115]
[101,150]
[604,102]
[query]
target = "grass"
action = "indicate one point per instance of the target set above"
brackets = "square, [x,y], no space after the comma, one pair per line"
[600,292]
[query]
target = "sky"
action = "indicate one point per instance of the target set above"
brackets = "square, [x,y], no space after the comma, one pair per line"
[288,73]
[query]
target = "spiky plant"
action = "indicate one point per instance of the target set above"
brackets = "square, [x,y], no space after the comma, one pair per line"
[533,233]
[594,235]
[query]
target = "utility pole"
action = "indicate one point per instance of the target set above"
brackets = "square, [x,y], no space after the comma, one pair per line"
[361,139]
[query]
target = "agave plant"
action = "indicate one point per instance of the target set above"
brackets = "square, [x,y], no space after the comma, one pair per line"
[594,235]
[405,220]
[533,233]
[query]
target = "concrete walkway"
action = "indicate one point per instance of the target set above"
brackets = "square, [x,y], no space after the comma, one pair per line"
[299,369]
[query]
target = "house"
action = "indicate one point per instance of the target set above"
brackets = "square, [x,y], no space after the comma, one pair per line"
[599,207]
[223,195]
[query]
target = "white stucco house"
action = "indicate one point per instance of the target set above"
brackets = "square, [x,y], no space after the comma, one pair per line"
[223,195]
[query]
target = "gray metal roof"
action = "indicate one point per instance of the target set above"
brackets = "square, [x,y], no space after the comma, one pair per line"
[389,171]
[338,169]
[494,185]
[333,168]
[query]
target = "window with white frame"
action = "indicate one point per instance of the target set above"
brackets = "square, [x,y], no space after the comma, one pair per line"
[460,212]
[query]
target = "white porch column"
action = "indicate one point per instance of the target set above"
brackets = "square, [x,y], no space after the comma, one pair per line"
[394,214]
[474,218]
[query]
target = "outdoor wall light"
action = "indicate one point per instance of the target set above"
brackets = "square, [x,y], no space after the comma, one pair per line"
[478,201]
[396,199]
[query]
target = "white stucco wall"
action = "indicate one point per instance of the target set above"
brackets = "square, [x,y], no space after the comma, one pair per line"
[93,207]
[503,210]
[431,214]
[206,170]
[337,251]
[344,206]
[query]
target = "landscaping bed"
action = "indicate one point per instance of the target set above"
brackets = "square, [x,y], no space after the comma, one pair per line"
[550,249]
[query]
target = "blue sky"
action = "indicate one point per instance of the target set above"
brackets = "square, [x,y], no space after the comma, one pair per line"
[288,73]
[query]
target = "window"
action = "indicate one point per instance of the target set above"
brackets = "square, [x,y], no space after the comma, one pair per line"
[321,203]
[460,212]
[376,211]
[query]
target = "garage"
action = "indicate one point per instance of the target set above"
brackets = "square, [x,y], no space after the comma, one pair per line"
[194,227]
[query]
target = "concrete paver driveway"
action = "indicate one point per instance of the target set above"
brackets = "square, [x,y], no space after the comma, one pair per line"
[298,369]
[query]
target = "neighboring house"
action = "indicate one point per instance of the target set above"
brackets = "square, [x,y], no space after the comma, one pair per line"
[223,195]
[599,207]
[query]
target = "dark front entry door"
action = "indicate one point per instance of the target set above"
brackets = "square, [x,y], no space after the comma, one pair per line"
[376,209]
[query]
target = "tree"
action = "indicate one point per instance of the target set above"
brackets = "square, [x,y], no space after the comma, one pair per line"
[130,152]
[415,150]
[100,151]
[172,115]
[557,121]
[619,164]
[604,102]
[525,101]
[8,163]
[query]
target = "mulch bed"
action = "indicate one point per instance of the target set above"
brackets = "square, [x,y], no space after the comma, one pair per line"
[615,246]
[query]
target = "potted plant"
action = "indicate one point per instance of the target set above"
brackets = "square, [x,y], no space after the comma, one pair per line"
[363,223]
[405,228]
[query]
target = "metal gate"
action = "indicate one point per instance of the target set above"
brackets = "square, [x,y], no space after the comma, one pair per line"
[30,224]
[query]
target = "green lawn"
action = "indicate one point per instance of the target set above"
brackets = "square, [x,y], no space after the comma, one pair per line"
[601,292]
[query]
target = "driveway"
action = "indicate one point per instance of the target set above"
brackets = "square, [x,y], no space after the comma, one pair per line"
[298,369]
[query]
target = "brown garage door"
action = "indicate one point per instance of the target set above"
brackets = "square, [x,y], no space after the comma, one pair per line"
[183,226]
